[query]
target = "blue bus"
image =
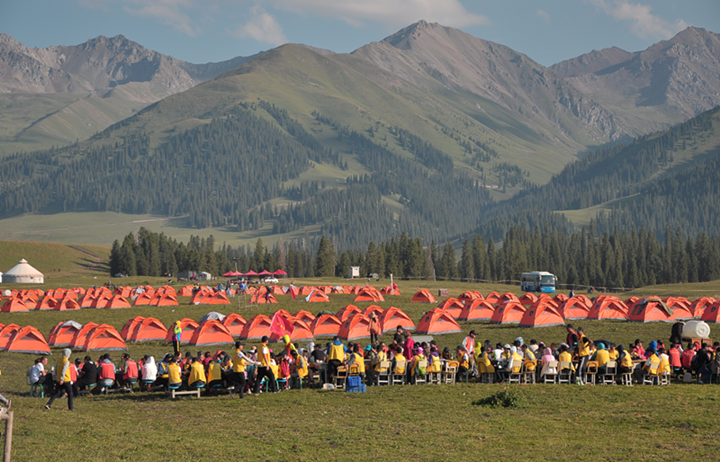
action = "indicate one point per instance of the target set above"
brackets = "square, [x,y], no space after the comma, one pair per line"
[537,281]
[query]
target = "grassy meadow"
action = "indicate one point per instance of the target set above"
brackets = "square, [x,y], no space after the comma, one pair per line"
[425,422]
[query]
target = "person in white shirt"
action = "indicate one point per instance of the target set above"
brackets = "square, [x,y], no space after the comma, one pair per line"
[37,373]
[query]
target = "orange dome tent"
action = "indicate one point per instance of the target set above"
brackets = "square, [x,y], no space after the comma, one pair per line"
[306,316]
[307,290]
[210,298]
[369,294]
[48,302]
[14,305]
[186,291]
[388,290]
[117,301]
[256,327]
[130,327]
[326,325]
[698,306]
[560,298]
[542,314]
[7,333]
[453,306]
[680,307]
[125,291]
[347,312]
[712,313]
[528,299]
[104,337]
[317,296]
[66,303]
[477,310]
[78,340]
[211,332]
[28,340]
[62,334]
[143,299]
[510,312]
[355,327]
[394,317]
[301,331]
[423,296]
[506,297]
[188,327]
[148,330]
[651,309]
[262,298]
[374,309]
[234,324]
[574,308]
[469,295]
[435,322]
[608,307]
[164,298]
[492,297]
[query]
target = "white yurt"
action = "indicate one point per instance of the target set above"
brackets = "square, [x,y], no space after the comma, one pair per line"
[23,273]
[0,276]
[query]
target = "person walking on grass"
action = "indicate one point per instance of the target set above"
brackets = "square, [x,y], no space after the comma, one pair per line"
[264,369]
[64,380]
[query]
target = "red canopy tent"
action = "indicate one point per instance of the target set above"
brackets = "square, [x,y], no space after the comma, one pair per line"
[265,273]
[279,273]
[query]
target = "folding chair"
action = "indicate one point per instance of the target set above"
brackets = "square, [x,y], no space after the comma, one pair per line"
[564,374]
[652,378]
[450,371]
[36,389]
[528,371]
[551,377]
[398,378]
[516,372]
[591,370]
[340,377]
[626,378]
[384,374]
[608,378]
[420,378]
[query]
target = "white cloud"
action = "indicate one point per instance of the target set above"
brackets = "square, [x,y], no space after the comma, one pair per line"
[262,27]
[544,16]
[643,22]
[389,12]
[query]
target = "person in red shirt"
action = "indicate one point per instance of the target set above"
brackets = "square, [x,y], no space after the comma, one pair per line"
[687,357]
[675,359]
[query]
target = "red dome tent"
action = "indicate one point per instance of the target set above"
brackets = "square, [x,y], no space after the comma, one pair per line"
[104,337]
[608,307]
[542,314]
[437,321]
[234,324]
[130,326]
[355,327]
[80,336]
[394,317]
[348,312]
[211,332]
[651,309]
[62,334]
[388,290]
[423,296]
[369,294]
[256,327]
[28,340]
[492,297]
[697,308]
[306,316]
[7,333]
[574,308]
[477,310]
[510,312]
[66,303]
[148,330]
[14,305]
[188,327]
[326,325]
[453,306]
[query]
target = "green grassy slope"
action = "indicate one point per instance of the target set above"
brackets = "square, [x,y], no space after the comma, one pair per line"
[55,260]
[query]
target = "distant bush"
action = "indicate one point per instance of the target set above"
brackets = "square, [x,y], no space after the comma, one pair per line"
[504,398]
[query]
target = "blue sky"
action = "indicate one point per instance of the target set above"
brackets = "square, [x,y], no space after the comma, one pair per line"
[202,31]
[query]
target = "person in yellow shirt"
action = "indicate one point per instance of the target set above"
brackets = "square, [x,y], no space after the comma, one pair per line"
[399,362]
[356,359]
[664,362]
[565,356]
[64,380]
[602,356]
[614,354]
[174,373]
[197,374]
[264,370]
[584,351]
[239,364]
[301,366]
[653,358]
[416,369]
[214,373]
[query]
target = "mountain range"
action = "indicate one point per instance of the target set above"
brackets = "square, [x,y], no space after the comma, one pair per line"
[429,105]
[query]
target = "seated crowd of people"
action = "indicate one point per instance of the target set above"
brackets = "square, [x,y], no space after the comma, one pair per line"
[261,369]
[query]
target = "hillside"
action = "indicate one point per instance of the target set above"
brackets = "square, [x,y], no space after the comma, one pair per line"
[57,95]
[652,89]
[55,260]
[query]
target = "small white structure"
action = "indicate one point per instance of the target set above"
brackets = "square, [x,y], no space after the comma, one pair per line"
[0,276]
[23,273]
[203,276]
[354,272]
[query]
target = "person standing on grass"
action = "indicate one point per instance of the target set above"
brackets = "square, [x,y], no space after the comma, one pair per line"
[374,328]
[177,336]
[239,363]
[583,351]
[64,379]
[336,356]
[264,369]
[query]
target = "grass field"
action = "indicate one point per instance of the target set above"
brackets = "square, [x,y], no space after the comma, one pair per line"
[434,422]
